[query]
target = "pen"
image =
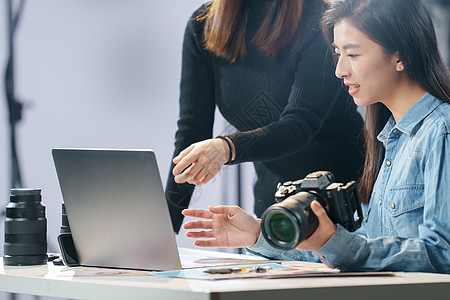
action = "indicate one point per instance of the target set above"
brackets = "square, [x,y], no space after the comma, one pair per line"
[229,270]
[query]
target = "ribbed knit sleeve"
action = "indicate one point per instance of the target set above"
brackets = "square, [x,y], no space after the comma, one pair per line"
[196,115]
[314,92]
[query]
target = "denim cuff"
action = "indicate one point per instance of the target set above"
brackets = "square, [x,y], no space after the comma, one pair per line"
[262,247]
[339,248]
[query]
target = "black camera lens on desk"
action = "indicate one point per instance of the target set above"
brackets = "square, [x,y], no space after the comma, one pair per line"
[287,223]
[25,229]
[65,227]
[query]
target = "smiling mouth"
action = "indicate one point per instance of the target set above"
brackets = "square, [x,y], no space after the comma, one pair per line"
[353,89]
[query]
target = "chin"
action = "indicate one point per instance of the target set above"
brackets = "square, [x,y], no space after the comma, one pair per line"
[361,102]
[357,101]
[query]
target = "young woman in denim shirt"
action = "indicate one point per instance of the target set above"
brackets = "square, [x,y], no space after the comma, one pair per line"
[388,58]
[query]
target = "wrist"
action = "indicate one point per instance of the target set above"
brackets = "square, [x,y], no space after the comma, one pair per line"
[233,149]
[230,147]
[257,233]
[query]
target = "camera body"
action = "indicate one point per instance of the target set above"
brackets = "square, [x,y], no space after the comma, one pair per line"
[291,220]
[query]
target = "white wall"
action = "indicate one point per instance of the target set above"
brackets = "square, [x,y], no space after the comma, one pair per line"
[97,73]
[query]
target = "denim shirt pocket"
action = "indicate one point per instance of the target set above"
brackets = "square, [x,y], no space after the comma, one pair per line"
[405,206]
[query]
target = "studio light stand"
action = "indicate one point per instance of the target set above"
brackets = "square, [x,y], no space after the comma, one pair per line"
[14,106]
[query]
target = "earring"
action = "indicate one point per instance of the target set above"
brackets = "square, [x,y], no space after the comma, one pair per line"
[399,68]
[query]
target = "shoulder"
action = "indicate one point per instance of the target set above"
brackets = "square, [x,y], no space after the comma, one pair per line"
[196,22]
[312,14]
[309,27]
[439,119]
[194,31]
[433,126]
[199,16]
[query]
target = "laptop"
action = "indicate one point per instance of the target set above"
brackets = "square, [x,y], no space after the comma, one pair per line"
[117,211]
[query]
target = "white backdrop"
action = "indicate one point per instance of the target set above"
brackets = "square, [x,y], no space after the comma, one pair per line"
[98,73]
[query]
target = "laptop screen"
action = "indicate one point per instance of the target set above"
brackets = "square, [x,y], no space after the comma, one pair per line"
[116,208]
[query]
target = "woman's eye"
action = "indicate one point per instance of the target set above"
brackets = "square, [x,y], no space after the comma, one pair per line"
[352,55]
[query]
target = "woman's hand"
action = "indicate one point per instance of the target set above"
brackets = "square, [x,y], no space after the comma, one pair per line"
[200,161]
[228,226]
[323,233]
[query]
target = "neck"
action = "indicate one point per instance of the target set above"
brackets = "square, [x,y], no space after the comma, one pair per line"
[404,97]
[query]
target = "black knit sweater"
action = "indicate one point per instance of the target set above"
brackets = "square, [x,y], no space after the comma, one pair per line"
[292,115]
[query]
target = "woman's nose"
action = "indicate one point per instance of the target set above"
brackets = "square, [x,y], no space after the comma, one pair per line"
[341,69]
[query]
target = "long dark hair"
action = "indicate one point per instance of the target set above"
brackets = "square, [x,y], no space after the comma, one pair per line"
[399,26]
[226,22]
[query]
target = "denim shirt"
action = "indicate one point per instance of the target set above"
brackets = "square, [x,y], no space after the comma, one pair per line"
[406,224]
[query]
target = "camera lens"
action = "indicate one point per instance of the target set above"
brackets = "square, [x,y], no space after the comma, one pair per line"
[286,224]
[282,227]
[65,227]
[25,229]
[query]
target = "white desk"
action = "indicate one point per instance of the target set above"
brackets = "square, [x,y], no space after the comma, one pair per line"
[58,281]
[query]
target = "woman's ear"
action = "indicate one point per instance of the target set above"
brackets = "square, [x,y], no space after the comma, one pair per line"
[399,66]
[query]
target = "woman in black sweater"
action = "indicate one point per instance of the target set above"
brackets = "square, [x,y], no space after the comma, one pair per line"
[268,69]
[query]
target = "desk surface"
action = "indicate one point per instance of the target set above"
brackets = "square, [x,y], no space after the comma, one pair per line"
[83,283]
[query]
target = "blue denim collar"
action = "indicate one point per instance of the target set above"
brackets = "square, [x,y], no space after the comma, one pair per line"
[422,108]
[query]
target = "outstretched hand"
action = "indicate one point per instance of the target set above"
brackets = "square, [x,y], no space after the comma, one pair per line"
[200,162]
[227,226]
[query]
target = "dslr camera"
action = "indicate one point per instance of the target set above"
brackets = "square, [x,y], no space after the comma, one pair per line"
[288,222]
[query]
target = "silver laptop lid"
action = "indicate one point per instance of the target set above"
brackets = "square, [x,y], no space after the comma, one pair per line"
[116,208]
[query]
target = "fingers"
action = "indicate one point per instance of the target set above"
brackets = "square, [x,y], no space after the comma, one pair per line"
[228,210]
[224,226]
[320,213]
[200,234]
[183,153]
[200,162]
[199,177]
[204,234]
[218,209]
[188,174]
[207,243]
[205,179]
[184,160]
[198,225]
[323,233]
[197,213]
[327,227]
[196,174]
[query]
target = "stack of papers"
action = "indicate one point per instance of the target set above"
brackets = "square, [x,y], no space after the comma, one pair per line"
[262,270]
